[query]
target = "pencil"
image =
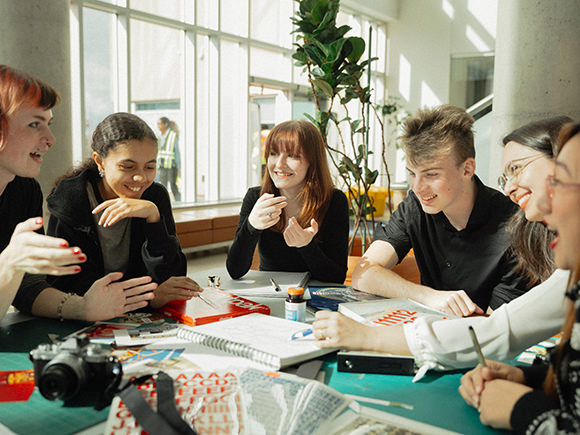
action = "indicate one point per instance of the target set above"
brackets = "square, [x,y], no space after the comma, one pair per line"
[304,280]
[477,347]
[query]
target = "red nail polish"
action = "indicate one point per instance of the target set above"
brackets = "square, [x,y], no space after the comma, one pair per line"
[64,244]
[77,269]
[76,250]
[38,221]
[82,257]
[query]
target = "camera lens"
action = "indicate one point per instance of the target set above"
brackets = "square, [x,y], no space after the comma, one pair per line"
[62,378]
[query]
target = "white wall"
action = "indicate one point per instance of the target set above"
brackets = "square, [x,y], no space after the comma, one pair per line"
[425,37]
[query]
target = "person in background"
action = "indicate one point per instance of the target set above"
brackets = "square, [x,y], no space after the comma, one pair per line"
[168,159]
[111,207]
[26,254]
[543,398]
[452,221]
[523,322]
[297,218]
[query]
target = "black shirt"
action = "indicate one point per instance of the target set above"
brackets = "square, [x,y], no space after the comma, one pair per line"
[325,257]
[475,259]
[22,200]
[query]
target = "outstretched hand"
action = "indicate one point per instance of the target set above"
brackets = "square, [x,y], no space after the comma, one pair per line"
[333,329]
[108,297]
[296,236]
[36,253]
[266,211]
[122,208]
[175,288]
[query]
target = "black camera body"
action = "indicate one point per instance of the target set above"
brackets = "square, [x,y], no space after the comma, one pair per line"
[76,371]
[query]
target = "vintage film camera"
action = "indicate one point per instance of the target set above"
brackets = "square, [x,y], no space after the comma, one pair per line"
[76,371]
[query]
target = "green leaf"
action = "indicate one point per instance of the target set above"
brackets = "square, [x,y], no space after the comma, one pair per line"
[371,176]
[323,86]
[357,48]
[318,11]
[354,125]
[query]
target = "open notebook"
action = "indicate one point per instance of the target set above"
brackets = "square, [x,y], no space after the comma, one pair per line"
[257,337]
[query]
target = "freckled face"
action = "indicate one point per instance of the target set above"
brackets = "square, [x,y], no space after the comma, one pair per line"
[129,169]
[28,138]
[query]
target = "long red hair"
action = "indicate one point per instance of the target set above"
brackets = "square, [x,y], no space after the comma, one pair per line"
[302,138]
[567,133]
[20,89]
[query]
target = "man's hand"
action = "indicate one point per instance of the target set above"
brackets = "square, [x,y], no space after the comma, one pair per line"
[454,302]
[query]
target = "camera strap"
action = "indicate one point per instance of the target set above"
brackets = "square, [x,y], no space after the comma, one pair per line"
[167,419]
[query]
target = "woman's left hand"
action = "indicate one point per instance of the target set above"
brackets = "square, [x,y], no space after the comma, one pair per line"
[497,402]
[296,236]
[122,208]
[175,288]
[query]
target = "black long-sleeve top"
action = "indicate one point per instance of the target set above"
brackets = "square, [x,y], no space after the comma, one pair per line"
[325,257]
[154,248]
[536,412]
[22,200]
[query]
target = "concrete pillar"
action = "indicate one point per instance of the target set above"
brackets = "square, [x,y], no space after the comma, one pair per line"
[537,65]
[35,37]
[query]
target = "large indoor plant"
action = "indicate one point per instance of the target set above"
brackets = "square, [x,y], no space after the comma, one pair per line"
[335,68]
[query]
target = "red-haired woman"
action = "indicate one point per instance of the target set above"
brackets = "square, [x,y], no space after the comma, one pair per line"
[541,398]
[26,254]
[297,218]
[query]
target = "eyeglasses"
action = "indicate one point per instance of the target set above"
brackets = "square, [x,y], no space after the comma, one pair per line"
[514,169]
[552,182]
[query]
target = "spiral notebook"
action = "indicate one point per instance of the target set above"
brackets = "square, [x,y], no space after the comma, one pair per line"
[258,337]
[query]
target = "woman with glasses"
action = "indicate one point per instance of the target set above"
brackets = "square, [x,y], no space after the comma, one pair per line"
[532,317]
[542,398]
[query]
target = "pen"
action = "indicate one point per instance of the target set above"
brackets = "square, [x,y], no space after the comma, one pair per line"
[304,280]
[207,301]
[477,347]
[300,334]
[276,286]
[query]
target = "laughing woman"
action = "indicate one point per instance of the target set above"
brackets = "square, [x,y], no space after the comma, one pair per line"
[111,208]
[297,218]
[26,254]
[541,398]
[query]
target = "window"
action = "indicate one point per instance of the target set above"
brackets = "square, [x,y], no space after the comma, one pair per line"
[471,79]
[221,70]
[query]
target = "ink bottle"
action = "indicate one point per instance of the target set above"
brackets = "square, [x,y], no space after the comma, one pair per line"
[295,304]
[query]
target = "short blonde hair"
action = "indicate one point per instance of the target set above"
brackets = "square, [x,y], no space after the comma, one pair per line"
[433,133]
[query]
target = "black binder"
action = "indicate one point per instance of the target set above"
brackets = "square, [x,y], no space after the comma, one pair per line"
[373,362]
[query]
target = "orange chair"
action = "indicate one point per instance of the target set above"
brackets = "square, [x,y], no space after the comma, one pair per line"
[407,268]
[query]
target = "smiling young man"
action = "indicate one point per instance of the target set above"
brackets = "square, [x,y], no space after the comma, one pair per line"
[452,221]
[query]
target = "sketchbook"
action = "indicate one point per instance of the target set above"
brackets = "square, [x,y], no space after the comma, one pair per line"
[389,312]
[263,339]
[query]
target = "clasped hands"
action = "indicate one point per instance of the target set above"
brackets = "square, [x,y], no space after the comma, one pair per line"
[266,213]
[494,391]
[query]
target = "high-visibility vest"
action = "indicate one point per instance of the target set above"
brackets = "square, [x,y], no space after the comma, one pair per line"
[167,155]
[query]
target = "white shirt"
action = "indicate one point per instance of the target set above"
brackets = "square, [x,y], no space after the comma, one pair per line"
[536,315]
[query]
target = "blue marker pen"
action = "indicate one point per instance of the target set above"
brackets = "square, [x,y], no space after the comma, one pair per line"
[300,334]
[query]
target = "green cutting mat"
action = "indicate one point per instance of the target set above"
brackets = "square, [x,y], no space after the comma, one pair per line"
[38,415]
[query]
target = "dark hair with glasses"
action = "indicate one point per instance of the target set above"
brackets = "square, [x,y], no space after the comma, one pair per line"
[567,132]
[530,241]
